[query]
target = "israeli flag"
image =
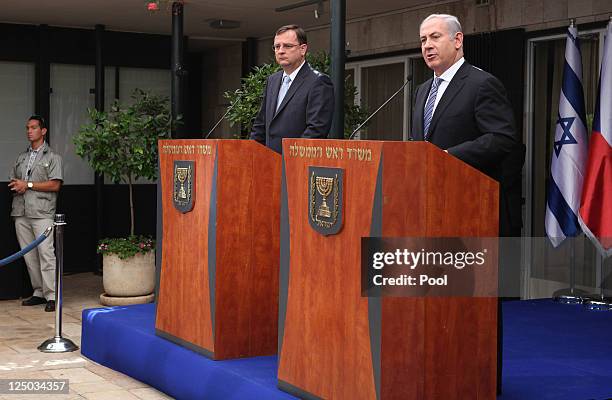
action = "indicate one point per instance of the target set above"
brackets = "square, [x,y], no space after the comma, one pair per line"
[567,167]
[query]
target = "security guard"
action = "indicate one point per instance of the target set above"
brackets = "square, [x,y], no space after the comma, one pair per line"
[35,181]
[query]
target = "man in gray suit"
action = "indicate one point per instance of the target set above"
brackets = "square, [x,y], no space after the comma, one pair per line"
[36,179]
[298,101]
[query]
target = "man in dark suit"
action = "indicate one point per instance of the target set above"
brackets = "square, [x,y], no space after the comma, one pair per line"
[461,109]
[298,101]
[465,111]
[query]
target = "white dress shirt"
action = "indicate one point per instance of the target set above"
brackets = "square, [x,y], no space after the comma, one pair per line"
[445,79]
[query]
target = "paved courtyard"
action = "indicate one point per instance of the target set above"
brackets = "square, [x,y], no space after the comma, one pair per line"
[23,329]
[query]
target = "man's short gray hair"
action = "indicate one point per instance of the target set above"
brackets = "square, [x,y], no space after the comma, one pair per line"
[452,23]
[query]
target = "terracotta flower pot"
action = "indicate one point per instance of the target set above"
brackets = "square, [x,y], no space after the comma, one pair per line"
[131,277]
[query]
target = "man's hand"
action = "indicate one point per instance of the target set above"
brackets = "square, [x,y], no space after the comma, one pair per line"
[18,186]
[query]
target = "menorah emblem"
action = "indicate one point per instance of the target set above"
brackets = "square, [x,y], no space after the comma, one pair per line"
[181,175]
[325,199]
[183,191]
[324,187]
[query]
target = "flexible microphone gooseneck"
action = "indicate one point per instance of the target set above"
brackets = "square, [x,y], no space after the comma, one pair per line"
[408,79]
[218,122]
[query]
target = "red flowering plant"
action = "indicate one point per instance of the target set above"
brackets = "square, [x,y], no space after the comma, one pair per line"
[126,247]
[156,5]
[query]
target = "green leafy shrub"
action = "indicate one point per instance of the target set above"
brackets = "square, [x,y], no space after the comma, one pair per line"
[122,143]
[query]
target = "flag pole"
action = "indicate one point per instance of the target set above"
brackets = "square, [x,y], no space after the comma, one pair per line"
[572,266]
[601,303]
[567,164]
[571,295]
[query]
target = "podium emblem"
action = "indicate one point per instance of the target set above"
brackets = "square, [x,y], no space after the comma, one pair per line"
[182,193]
[325,197]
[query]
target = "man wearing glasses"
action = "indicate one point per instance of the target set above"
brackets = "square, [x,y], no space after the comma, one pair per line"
[298,101]
[35,180]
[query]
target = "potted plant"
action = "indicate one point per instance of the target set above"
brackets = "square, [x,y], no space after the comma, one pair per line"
[246,100]
[129,269]
[122,145]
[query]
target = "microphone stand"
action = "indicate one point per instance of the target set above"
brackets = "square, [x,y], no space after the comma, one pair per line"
[408,79]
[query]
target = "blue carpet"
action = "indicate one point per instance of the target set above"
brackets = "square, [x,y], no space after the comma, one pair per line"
[551,351]
[556,351]
[123,339]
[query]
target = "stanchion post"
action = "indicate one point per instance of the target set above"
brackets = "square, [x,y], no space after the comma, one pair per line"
[58,344]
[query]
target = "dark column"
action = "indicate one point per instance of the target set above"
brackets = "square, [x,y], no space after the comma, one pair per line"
[192,115]
[117,83]
[43,77]
[99,178]
[177,61]
[338,55]
[249,55]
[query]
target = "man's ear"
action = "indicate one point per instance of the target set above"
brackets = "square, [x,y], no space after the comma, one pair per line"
[458,40]
[44,131]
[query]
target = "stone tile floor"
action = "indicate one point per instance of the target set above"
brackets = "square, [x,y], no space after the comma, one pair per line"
[23,329]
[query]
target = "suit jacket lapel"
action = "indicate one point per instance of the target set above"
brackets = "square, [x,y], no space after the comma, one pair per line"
[454,87]
[272,95]
[295,85]
[419,108]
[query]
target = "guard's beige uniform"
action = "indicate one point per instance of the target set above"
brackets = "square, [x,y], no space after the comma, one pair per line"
[34,212]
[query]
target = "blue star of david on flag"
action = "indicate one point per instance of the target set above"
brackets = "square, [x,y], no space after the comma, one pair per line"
[566,136]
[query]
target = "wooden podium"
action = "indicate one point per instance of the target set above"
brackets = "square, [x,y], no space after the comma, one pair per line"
[335,344]
[218,290]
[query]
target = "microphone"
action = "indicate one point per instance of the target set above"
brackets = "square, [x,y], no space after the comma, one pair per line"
[408,79]
[218,122]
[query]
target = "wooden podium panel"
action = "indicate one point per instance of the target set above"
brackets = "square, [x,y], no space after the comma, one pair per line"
[218,289]
[335,344]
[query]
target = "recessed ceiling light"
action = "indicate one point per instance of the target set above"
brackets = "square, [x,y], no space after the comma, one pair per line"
[224,24]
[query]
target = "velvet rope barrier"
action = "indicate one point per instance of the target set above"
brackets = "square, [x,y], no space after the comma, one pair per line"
[28,248]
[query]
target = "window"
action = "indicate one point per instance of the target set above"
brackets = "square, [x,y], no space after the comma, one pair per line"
[156,81]
[72,94]
[70,99]
[376,81]
[16,105]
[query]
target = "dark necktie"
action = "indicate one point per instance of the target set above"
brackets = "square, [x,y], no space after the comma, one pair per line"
[429,107]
